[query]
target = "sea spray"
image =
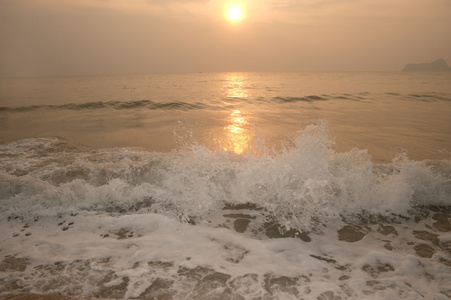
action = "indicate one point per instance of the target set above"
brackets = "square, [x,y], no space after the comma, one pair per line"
[300,186]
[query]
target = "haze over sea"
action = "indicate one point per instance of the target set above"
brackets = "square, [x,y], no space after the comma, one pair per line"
[227,186]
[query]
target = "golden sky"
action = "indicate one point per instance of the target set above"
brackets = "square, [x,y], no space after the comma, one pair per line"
[82,37]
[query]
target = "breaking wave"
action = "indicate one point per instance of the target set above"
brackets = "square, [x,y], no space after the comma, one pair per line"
[301,187]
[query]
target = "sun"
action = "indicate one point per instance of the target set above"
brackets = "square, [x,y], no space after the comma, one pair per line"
[234,12]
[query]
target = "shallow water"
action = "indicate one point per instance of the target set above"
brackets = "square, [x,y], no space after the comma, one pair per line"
[227,186]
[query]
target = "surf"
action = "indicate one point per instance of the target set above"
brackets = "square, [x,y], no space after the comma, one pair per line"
[298,186]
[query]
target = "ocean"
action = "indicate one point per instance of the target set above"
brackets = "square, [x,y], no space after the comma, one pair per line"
[227,186]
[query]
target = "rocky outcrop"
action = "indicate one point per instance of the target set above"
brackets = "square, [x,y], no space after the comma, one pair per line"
[439,65]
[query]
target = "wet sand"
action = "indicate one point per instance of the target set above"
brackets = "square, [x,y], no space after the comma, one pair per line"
[27,296]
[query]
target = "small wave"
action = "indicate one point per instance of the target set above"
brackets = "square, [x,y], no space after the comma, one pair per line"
[116,105]
[311,98]
[178,106]
[316,98]
[428,97]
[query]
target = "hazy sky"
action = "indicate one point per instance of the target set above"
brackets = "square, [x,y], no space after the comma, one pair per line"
[78,37]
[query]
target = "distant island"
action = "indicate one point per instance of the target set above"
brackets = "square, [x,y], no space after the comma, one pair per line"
[439,65]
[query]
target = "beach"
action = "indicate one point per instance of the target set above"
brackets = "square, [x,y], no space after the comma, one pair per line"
[226,186]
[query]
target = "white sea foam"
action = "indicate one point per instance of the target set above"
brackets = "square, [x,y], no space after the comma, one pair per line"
[300,186]
[130,256]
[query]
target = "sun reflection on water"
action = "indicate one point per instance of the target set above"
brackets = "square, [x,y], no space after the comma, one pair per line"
[238,135]
[235,86]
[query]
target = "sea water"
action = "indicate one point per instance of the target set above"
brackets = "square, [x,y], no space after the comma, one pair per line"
[227,186]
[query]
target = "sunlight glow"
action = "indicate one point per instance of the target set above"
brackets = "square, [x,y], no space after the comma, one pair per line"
[234,12]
